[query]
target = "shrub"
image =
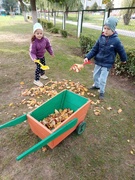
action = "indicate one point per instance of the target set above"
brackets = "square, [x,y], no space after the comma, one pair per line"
[49,25]
[86,43]
[63,33]
[54,30]
[128,68]
[39,20]
[45,23]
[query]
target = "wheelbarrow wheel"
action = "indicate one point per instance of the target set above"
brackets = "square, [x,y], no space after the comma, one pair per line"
[80,128]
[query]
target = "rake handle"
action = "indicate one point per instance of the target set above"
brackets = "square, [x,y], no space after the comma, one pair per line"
[88,62]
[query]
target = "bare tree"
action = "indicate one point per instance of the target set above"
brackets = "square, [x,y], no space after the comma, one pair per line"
[33,10]
[23,9]
[127,15]
[66,4]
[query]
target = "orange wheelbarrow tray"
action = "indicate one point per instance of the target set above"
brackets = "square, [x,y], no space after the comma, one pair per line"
[64,100]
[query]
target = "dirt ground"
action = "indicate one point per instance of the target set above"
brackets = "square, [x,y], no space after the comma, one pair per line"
[123,83]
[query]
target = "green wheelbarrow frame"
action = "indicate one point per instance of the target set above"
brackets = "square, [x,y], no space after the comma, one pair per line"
[43,142]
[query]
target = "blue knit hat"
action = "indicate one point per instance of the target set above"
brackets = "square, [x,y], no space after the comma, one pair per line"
[111,22]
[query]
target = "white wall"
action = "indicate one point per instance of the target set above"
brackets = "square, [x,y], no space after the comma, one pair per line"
[117,3]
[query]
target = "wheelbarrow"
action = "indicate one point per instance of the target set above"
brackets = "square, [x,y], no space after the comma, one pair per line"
[75,122]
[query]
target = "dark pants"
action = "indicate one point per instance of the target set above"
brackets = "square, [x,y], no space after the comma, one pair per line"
[39,72]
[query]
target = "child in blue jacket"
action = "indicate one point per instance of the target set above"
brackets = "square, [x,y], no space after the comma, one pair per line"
[104,53]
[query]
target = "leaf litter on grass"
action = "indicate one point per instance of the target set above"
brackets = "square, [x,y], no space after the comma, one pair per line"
[102,150]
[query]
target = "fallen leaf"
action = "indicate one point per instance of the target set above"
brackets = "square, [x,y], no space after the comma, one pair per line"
[131,152]
[98,101]
[44,149]
[109,108]
[97,113]
[22,83]
[11,104]
[92,102]
[119,111]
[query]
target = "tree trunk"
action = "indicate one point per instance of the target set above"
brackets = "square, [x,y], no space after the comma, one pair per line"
[23,10]
[67,8]
[34,12]
[34,16]
[52,12]
[127,16]
[24,15]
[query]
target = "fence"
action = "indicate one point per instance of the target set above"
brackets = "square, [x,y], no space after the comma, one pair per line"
[91,22]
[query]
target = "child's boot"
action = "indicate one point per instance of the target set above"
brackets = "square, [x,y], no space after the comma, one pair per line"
[101,96]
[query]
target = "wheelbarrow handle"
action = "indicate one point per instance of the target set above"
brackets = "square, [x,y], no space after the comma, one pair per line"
[49,138]
[14,122]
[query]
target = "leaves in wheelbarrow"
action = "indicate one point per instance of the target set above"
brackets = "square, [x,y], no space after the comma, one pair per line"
[55,119]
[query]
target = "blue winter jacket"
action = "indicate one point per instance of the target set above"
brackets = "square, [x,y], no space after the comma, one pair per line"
[105,50]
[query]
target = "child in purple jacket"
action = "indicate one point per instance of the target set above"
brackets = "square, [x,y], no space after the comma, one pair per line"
[39,45]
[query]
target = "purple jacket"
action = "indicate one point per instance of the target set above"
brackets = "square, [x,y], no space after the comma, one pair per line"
[38,48]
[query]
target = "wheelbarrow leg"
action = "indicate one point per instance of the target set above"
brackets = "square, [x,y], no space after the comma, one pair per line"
[49,138]
[14,122]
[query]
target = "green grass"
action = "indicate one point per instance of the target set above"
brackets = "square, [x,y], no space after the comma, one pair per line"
[72,30]
[94,19]
[98,20]
[104,149]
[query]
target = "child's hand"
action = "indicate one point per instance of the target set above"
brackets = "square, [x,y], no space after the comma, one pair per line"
[85,60]
[53,55]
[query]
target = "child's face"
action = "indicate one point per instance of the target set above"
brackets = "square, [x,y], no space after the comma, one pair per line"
[107,31]
[38,33]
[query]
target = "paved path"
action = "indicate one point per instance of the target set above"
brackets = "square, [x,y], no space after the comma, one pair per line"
[88,25]
[119,31]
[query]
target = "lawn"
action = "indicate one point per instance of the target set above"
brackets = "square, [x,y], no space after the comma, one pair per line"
[98,20]
[105,150]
